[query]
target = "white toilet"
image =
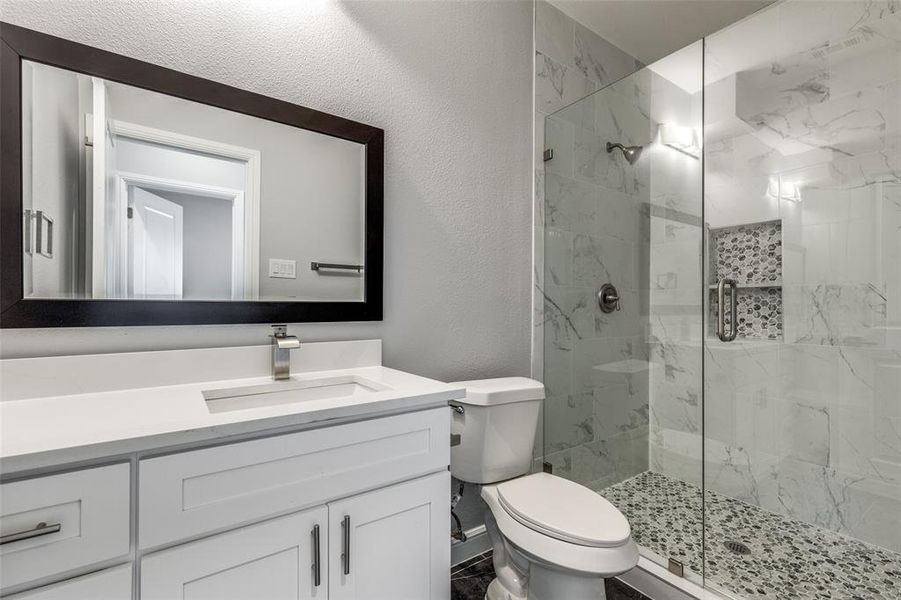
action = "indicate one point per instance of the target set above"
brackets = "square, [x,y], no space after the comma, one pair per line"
[553,539]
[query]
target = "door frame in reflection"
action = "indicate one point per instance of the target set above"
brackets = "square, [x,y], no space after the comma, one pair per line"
[245,261]
[245,243]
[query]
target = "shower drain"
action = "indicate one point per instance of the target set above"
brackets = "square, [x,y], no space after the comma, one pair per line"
[737,548]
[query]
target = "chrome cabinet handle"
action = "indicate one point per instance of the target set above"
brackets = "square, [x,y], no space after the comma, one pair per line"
[38,530]
[345,556]
[28,231]
[317,571]
[721,313]
[43,243]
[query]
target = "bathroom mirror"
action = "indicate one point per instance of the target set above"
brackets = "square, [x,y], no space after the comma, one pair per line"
[134,194]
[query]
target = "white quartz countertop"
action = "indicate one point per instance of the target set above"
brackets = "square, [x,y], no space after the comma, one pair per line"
[40,432]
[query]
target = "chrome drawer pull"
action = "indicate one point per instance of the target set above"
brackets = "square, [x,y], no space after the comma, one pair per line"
[39,530]
[317,570]
[345,556]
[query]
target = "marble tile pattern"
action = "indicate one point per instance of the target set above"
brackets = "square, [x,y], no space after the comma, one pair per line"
[802,129]
[571,62]
[787,559]
[470,581]
[588,230]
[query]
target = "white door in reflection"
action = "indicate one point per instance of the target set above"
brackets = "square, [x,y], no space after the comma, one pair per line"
[157,233]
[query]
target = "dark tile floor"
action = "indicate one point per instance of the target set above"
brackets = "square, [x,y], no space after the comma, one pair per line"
[469,581]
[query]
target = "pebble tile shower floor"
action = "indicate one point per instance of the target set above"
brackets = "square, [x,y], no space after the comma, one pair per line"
[788,559]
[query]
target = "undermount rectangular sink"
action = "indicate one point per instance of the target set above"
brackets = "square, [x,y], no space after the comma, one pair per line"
[289,392]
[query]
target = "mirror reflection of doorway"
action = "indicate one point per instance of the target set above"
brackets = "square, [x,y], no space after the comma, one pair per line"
[178,224]
[182,244]
[174,216]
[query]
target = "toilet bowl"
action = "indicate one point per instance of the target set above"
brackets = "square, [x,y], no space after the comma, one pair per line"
[552,539]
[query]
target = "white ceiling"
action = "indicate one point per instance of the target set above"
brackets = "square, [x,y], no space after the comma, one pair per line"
[651,29]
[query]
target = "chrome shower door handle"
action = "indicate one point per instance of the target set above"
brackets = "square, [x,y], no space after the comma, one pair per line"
[721,311]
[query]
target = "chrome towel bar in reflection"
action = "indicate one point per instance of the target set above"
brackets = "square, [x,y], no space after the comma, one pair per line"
[321,265]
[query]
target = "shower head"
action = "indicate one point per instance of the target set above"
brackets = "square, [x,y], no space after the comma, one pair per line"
[631,153]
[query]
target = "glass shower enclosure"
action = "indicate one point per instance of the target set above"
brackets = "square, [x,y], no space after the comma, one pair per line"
[736,389]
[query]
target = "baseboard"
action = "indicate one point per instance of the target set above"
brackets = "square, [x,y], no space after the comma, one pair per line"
[476,543]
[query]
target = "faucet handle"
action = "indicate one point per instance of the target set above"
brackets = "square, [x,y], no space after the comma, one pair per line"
[281,338]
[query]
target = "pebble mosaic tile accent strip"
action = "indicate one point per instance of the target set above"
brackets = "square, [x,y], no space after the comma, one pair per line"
[788,559]
[759,313]
[749,254]
[470,580]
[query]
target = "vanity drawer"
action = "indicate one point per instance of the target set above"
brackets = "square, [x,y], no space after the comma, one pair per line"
[110,584]
[86,512]
[192,493]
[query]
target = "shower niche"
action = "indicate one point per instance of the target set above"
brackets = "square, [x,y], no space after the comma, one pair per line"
[751,255]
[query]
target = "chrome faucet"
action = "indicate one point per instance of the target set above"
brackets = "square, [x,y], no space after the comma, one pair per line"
[282,344]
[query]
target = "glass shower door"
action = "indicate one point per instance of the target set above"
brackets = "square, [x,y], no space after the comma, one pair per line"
[802,209]
[623,297]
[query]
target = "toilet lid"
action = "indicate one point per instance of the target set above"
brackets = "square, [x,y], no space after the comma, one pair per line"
[564,510]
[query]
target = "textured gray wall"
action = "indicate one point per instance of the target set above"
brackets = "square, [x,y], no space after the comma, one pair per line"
[451,84]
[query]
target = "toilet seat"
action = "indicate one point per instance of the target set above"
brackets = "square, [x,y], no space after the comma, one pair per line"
[564,510]
[551,550]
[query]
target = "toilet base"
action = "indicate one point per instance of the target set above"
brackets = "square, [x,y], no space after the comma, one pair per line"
[551,585]
[496,591]
[546,583]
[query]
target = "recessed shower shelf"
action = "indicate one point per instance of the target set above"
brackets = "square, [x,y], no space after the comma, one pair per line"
[751,253]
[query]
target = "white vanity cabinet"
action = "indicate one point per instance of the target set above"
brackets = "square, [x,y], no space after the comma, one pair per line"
[357,510]
[389,544]
[187,494]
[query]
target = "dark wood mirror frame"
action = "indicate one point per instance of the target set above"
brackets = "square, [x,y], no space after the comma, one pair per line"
[16,311]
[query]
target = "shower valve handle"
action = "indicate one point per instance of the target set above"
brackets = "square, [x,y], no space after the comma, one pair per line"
[608,298]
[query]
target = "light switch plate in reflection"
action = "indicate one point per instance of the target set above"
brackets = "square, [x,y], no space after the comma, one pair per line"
[282,269]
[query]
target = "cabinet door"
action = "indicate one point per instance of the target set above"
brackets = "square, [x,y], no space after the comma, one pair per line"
[110,584]
[273,560]
[393,543]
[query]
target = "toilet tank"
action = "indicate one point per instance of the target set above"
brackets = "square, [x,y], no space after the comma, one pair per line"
[496,422]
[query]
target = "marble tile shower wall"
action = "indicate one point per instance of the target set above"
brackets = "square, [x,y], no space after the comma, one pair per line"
[676,285]
[582,251]
[596,414]
[809,428]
